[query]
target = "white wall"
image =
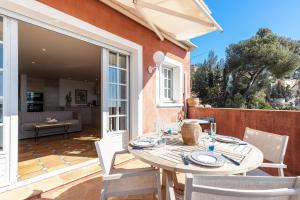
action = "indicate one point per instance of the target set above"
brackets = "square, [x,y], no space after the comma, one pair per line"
[65,86]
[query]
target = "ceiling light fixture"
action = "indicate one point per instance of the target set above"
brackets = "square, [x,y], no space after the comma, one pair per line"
[44,49]
[33,62]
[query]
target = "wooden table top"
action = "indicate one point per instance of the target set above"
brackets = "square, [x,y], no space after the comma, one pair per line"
[169,158]
[48,125]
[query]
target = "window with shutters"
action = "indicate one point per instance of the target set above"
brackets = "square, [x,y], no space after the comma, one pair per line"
[169,84]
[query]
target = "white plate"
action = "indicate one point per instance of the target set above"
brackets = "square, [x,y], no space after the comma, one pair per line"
[227,139]
[209,159]
[144,142]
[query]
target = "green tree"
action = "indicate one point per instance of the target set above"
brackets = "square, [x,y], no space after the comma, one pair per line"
[253,63]
[279,91]
[207,81]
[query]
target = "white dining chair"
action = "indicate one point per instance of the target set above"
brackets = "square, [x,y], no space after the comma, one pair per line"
[273,147]
[121,182]
[237,188]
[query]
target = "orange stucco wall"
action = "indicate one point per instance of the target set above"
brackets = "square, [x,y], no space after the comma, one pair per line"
[104,17]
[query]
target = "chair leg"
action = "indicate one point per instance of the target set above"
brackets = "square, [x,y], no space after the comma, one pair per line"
[102,195]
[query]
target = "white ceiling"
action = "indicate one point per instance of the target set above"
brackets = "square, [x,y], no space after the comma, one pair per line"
[65,57]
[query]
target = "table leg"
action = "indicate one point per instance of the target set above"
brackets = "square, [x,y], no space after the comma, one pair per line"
[165,174]
[66,129]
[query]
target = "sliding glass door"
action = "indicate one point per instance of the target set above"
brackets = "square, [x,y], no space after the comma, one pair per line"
[116,98]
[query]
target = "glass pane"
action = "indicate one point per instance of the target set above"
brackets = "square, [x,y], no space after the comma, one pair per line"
[1,97]
[1,138]
[112,59]
[169,83]
[112,91]
[165,73]
[165,93]
[169,73]
[169,93]
[112,75]
[1,55]
[112,108]
[1,28]
[122,61]
[123,92]
[166,83]
[122,76]
[123,108]
[122,123]
[112,124]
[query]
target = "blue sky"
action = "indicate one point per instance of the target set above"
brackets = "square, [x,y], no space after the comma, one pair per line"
[240,20]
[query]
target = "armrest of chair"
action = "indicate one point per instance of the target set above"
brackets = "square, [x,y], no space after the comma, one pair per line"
[274,165]
[119,152]
[170,193]
[109,177]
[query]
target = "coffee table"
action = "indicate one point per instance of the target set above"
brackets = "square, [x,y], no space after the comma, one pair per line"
[45,125]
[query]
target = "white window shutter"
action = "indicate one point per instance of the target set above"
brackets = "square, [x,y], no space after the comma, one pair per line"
[161,84]
[176,84]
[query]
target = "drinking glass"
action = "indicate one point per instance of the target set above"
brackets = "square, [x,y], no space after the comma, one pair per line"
[213,129]
[207,133]
[211,144]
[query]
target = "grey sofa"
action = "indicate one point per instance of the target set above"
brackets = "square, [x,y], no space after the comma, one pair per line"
[28,119]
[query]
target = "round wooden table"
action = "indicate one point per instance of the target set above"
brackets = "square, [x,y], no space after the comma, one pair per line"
[168,157]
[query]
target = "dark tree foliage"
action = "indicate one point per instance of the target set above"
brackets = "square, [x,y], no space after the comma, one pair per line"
[207,81]
[251,65]
[265,56]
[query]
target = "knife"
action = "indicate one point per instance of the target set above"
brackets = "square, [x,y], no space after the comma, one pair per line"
[231,160]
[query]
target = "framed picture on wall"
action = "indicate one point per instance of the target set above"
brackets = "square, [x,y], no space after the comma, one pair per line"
[80,96]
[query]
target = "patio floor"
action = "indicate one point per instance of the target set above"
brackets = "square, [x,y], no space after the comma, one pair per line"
[90,187]
[55,152]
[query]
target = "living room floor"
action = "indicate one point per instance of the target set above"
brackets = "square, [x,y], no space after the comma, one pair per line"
[56,152]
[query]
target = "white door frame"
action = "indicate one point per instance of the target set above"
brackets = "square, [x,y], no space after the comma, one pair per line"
[10,99]
[36,13]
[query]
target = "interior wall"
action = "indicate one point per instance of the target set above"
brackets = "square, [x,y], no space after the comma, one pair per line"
[54,91]
[65,86]
[49,87]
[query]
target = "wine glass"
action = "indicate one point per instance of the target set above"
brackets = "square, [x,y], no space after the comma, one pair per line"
[213,129]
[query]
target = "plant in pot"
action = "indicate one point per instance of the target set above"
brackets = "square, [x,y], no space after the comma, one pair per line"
[193,101]
[68,99]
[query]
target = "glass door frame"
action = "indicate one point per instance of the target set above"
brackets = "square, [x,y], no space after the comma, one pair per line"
[10,101]
[105,99]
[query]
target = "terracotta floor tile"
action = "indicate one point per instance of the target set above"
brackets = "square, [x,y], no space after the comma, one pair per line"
[33,174]
[28,162]
[30,169]
[57,166]
[48,153]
